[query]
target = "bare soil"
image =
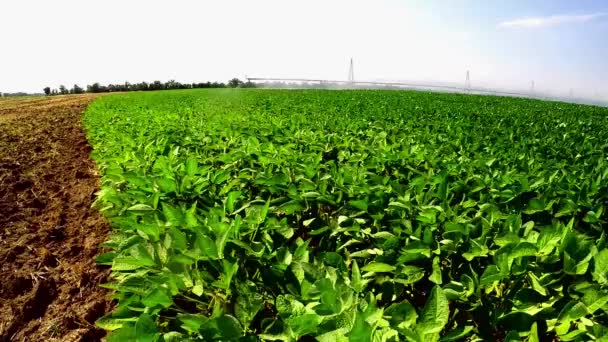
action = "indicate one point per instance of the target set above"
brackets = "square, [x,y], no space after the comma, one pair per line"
[49,234]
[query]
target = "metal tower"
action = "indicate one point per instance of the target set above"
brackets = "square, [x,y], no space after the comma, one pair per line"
[467,82]
[351,72]
[532,87]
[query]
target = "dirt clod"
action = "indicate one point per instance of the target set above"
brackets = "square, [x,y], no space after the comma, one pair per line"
[49,289]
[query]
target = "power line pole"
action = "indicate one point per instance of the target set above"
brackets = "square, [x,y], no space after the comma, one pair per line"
[351,72]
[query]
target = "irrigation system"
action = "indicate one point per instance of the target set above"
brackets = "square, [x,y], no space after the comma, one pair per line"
[466,88]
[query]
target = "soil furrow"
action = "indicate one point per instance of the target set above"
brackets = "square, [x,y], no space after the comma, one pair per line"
[49,234]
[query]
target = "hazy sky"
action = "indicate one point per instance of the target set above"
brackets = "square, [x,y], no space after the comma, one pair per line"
[560,44]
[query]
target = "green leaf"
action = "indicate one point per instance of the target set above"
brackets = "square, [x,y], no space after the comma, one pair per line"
[594,298]
[305,324]
[533,337]
[412,274]
[357,282]
[536,284]
[435,277]
[233,196]
[591,217]
[157,297]
[517,320]
[359,204]
[151,231]
[192,322]
[457,334]
[512,336]
[167,185]
[222,232]
[177,239]
[248,304]
[330,303]
[105,258]
[548,240]
[428,216]
[220,177]
[173,216]
[190,217]
[523,249]
[129,263]
[568,208]
[113,323]
[126,333]
[435,314]
[140,207]
[575,267]
[572,311]
[338,335]
[535,205]
[191,166]
[469,204]
[490,275]
[264,211]
[361,331]
[442,190]
[206,246]
[198,289]
[402,315]
[228,271]
[332,259]
[141,253]
[145,329]
[229,327]
[378,267]
[600,267]
[173,336]
[291,207]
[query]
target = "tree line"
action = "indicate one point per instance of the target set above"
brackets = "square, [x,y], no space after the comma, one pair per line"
[144,86]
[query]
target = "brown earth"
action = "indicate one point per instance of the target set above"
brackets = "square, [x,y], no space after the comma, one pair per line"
[49,234]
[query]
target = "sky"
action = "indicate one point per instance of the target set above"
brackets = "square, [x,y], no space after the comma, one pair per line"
[558,44]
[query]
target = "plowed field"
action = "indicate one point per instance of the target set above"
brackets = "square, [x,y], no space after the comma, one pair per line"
[49,235]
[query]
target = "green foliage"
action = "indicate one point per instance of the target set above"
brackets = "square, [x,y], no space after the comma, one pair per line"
[352,216]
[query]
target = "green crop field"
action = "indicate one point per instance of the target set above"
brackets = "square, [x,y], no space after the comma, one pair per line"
[352,216]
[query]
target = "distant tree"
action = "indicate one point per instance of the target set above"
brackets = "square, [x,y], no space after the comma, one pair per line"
[138,86]
[77,90]
[19,93]
[203,85]
[157,85]
[171,85]
[143,86]
[93,88]
[234,83]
